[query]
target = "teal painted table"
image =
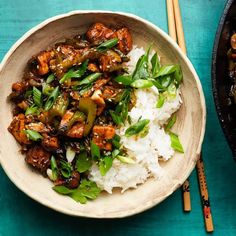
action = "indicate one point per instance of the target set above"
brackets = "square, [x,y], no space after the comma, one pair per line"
[19,215]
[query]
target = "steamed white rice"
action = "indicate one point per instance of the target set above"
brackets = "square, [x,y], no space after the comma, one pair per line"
[145,151]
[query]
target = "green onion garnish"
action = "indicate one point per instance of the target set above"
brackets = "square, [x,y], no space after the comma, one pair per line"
[54,168]
[124,79]
[33,135]
[90,79]
[31,110]
[107,44]
[50,78]
[161,101]
[51,99]
[136,128]
[141,83]
[171,122]
[66,169]
[126,160]
[37,97]
[75,73]
[46,89]
[175,143]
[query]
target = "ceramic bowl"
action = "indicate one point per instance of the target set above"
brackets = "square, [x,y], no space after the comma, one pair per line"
[190,122]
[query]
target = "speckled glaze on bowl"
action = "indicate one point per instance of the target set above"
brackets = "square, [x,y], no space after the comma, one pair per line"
[190,122]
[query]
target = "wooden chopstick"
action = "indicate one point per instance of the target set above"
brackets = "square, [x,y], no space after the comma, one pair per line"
[200,166]
[179,26]
[171,19]
[204,195]
[172,32]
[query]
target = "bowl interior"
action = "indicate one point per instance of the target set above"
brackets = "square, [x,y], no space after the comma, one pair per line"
[190,122]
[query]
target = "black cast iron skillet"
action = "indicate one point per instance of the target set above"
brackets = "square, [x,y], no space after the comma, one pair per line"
[221,81]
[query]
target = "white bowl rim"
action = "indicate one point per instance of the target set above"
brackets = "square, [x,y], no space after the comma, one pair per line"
[146,205]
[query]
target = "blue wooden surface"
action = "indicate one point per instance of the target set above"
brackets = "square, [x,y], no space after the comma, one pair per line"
[19,215]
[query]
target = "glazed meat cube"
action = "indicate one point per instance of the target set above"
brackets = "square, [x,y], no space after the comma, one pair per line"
[38,158]
[101,135]
[125,40]
[50,143]
[17,128]
[98,33]
[43,61]
[76,131]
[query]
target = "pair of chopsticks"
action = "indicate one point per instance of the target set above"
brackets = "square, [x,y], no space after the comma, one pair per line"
[177,34]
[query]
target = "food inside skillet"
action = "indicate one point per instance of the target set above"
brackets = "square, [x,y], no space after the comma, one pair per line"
[232,66]
[94,112]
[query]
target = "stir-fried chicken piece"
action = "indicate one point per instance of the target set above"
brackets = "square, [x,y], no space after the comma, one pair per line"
[23,105]
[19,87]
[73,182]
[101,135]
[17,128]
[98,33]
[125,40]
[97,85]
[18,90]
[76,131]
[101,82]
[110,92]
[43,61]
[44,117]
[38,158]
[50,143]
[38,127]
[65,121]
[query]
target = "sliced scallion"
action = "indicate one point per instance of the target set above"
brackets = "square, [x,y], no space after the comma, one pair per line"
[90,79]
[31,110]
[171,122]
[33,135]
[74,73]
[37,97]
[175,142]
[155,61]
[136,128]
[161,101]
[141,83]
[107,44]
[54,168]
[50,78]
[126,160]
[51,99]
[66,169]
[124,79]
[70,154]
